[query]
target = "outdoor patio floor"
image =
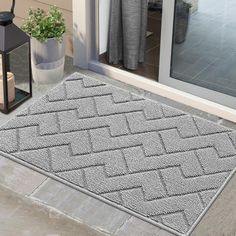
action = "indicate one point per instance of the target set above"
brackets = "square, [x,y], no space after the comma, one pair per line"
[219,220]
[21,216]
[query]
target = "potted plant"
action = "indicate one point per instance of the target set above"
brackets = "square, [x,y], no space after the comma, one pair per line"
[47,30]
[182,20]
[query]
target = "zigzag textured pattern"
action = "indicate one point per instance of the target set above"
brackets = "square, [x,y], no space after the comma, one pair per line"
[157,161]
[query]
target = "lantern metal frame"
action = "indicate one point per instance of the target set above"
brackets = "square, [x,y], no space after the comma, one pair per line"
[21,95]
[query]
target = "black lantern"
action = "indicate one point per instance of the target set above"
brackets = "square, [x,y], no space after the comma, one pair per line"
[15,63]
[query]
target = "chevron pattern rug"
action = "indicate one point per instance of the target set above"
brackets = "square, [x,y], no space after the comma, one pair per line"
[151,160]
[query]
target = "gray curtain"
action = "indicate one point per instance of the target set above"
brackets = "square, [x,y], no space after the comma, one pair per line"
[127,32]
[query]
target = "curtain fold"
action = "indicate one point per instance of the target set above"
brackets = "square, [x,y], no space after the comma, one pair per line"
[127,32]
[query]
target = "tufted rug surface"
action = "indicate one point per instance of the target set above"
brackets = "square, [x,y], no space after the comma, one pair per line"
[151,160]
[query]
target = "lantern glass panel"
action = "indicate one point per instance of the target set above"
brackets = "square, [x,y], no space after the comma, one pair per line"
[0,64]
[18,68]
[1,83]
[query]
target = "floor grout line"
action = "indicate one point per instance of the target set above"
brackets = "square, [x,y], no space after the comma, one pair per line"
[38,187]
[123,224]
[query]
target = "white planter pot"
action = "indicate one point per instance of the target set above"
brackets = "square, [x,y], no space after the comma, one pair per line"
[47,60]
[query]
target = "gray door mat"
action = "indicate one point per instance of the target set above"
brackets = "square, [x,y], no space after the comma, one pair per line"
[146,158]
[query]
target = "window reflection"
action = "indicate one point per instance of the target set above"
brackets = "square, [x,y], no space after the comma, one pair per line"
[204,45]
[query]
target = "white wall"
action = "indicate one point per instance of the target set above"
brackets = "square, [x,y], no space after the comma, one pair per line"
[104,11]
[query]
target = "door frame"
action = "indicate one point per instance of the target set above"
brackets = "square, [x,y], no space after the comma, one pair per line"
[86,46]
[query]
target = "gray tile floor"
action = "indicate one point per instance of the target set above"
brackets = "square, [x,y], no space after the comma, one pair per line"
[96,214]
[21,216]
[208,56]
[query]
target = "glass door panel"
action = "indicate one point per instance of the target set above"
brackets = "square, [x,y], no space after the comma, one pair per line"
[204,44]
[198,48]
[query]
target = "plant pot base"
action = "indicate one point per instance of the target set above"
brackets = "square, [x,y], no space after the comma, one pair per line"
[46,73]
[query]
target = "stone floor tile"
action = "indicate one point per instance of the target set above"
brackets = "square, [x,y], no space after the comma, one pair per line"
[137,227]
[81,206]
[26,218]
[60,196]
[220,219]
[19,178]
[100,215]
[165,233]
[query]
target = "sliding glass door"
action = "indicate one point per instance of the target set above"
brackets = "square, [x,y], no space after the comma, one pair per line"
[198,48]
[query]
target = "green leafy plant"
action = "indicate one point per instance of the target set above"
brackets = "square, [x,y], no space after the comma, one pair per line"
[43,25]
